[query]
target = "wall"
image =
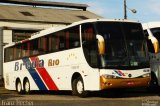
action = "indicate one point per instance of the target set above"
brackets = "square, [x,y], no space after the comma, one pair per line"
[7,36]
[1,52]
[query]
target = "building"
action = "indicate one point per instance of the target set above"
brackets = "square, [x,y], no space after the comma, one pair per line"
[25,17]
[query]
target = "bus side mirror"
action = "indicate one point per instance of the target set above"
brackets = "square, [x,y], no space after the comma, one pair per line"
[101,44]
[155,44]
[156,47]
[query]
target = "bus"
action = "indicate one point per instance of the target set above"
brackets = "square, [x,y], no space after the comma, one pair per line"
[152,32]
[85,56]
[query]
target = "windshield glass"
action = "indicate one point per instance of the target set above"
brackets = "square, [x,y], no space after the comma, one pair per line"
[156,33]
[124,45]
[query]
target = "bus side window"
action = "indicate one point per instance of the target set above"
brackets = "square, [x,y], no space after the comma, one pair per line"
[88,34]
[52,43]
[42,45]
[17,51]
[10,53]
[89,44]
[34,47]
[6,55]
[74,37]
[57,41]
[25,51]
[67,33]
[62,40]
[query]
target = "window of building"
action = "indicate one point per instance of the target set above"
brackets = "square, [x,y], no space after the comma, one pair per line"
[27,13]
[19,35]
[82,17]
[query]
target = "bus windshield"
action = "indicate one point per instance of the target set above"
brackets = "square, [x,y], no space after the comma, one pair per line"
[125,46]
[156,33]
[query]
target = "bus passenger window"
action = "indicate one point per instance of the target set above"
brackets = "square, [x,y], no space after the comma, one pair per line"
[74,37]
[89,44]
[88,34]
[52,43]
[11,53]
[17,51]
[34,47]
[62,40]
[25,51]
[42,45]
[6,55]
[67,39]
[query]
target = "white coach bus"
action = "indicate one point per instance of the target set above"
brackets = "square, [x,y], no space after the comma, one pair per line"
[152,31]
[91,55]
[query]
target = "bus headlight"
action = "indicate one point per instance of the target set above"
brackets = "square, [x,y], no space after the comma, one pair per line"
[146,75]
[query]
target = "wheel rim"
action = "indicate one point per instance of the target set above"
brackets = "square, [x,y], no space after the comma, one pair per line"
[19,87]
[79,87]
[27,87]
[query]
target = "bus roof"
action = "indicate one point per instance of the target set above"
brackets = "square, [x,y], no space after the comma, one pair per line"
[151,25]
[58,28]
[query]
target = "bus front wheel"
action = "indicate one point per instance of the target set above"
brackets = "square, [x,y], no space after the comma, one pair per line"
[78,87]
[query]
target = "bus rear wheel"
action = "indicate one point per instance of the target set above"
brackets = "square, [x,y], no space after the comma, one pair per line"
[78,88]
[19,87]
[26,86]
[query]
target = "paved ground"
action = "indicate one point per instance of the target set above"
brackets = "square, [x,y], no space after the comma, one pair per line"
[114,98]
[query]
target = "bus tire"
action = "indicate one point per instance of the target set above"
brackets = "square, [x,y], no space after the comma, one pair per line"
[78,88]
[26,86]
[19,87]
[153,87]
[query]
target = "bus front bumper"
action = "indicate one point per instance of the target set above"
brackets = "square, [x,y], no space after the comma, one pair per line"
[124,83]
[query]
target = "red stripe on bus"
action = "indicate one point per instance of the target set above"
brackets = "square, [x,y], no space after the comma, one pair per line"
[45,76]
[26,40]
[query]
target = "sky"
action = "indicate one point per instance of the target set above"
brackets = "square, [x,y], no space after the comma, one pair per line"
[147,10]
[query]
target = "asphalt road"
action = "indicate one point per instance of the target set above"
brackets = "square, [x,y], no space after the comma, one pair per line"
[120,97]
